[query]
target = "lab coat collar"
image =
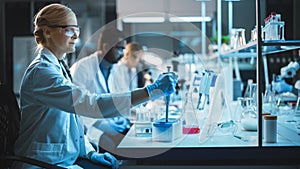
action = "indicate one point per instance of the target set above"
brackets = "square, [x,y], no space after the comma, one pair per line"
[49,56]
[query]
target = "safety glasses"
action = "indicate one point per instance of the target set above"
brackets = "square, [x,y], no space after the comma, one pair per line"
[70,30]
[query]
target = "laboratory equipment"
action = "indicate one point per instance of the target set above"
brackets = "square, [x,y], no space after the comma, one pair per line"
[166,131]
[254,34]
[290,70]
[143,123]
[297,126]
[251,92]
[202,90]
[190,123]
[167,99]
[237,109]
[237,38]
[274,27]
[208,80]
[297,108]
[193,91]
[270,129]
[249,117]
[263,121]
[269,100]
[215,112]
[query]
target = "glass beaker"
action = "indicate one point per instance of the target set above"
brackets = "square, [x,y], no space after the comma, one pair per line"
[237,38]
[190,123]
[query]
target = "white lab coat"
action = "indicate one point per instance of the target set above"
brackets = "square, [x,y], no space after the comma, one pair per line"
[119,79]
[50,129]
[86,73]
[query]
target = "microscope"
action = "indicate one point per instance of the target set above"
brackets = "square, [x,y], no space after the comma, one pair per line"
[290,71]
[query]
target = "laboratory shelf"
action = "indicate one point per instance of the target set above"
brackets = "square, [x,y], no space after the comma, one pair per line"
[268,47]
[246,51]
[281,43]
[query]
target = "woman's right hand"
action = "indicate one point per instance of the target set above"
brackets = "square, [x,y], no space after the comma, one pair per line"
[163,86]
[105,159]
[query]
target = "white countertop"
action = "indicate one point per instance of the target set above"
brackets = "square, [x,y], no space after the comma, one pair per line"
[286,136]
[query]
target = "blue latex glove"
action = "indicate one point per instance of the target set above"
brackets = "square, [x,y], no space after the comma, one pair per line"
[120,124]
[163,86]
[105,159]
[113,126]
[282,86]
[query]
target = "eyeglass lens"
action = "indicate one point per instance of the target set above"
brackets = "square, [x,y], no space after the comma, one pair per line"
[71,31]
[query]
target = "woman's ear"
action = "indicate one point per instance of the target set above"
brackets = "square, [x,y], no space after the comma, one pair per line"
[127,54]
[46,32]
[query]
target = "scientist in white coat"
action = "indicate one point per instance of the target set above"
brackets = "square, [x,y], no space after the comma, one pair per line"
[50,103]
[123,77]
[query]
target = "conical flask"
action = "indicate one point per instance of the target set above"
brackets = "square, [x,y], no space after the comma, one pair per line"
[269,100]
[190,123]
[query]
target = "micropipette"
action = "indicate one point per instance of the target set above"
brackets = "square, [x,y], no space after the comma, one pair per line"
[167,99]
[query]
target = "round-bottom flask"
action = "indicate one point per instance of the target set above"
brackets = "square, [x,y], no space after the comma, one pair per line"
[249,117]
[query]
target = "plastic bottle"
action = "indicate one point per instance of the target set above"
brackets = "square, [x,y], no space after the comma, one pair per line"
[270,129]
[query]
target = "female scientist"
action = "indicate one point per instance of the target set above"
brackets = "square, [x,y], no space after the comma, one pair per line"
[50,103]
[124,74]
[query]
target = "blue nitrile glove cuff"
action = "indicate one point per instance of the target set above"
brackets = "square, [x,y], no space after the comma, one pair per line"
[153,92]
[163,86]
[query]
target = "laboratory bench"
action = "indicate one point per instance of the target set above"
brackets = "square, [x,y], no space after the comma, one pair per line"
[225,146]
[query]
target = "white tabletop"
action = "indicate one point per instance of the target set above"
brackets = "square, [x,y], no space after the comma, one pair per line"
[286,136]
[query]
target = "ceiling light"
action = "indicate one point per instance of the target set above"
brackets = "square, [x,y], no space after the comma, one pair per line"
[143,19]
[190,19]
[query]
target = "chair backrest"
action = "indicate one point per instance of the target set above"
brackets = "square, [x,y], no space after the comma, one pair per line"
[9,120]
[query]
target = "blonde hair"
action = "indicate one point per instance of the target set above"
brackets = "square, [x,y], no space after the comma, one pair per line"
[53,14]
[131,48]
